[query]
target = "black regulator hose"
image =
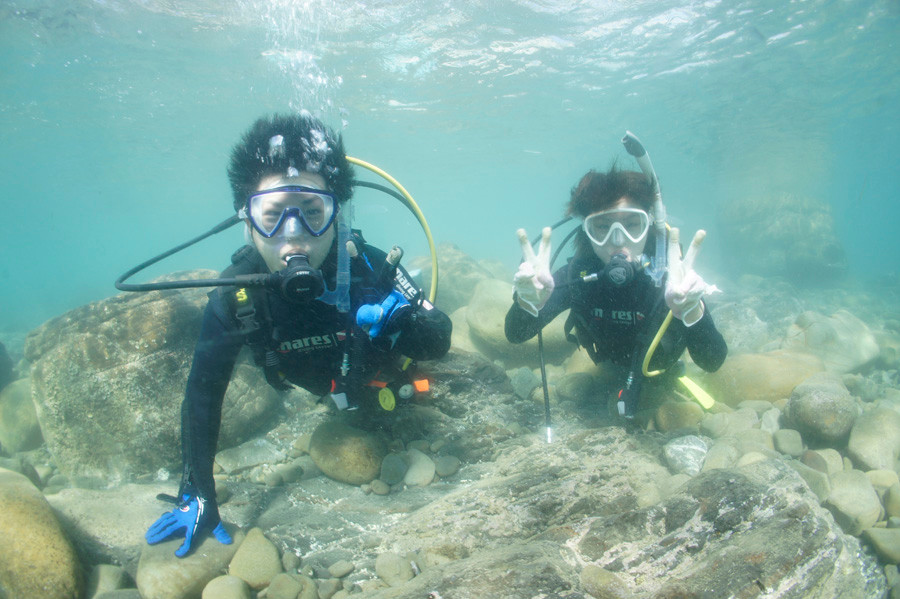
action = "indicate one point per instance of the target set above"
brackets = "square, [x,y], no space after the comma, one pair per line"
[121,285]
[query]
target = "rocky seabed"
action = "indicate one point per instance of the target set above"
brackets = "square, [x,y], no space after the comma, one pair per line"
[787,487]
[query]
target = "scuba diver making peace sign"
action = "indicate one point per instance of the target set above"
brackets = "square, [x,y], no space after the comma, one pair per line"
[619,297]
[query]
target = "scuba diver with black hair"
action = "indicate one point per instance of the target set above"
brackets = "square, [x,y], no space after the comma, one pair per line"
[620,299]
[321,310]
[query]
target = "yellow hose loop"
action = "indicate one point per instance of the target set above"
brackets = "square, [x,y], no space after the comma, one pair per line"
[650,350]
[418,214]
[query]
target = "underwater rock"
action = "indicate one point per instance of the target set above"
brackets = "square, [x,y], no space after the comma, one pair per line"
[256,561]
[161,575]
[347,454]
[393,569]
[106,577]
[459,272]
[842,341]
[37,561]
[788,441]
[875,439]
[675,415]
[486,315]
[19,429]
[781,234]
[107,526]
[685,454]
[769,530]
[768,376]
[226,587]
[446,465]
[886,542]
[853,501]
[603,584]
[247,455]
[393,469]
[822,409]
[108,380]
[421,469]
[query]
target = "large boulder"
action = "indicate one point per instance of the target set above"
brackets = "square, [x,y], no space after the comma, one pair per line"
[822,409]
[842,341]
[347,454]
[769,376]
[486,316]
[108,380]
[458,273]
[19,429]
[36,559]
[786,235]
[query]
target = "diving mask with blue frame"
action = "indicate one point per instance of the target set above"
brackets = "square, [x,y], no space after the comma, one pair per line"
[279,210]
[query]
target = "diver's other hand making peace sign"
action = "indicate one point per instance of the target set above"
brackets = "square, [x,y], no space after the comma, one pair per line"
[533,282]
[684,287]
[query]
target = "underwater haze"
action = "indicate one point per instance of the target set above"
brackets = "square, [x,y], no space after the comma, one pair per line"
[117,118]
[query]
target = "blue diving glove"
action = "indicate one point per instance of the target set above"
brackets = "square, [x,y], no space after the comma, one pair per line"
[190,516]
[383,319]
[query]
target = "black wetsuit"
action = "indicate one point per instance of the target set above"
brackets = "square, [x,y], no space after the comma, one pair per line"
[613,323]
[309,340]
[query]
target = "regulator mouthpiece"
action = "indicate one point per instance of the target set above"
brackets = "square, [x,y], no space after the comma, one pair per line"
[299,282]
[620,270]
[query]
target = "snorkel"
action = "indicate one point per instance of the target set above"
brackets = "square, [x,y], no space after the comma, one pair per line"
[658,265]
[340,295]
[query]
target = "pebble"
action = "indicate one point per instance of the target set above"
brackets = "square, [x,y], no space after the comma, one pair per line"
[788,441]
[256,560]
[327,588]
[379,487]
[882,480]
[677,415]
[821,408]
[393,569]
[393,468]
[817,481]
[886,542]
[853,502]
[722,454]
[875,439]
[290,561]
[770,420]
[226,587]
[421,469]
[290,472]
[892,501]
[273,479]
[685,454]
[284,586]
[340,568]
[446,465]
[420,444]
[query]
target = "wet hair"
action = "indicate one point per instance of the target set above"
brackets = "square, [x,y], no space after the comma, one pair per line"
[275,144]
[601,191]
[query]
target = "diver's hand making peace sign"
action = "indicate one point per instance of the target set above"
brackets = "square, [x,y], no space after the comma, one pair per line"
[684,287]
[533,282]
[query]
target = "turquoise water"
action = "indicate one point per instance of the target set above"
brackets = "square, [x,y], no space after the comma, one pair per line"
[117,118]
